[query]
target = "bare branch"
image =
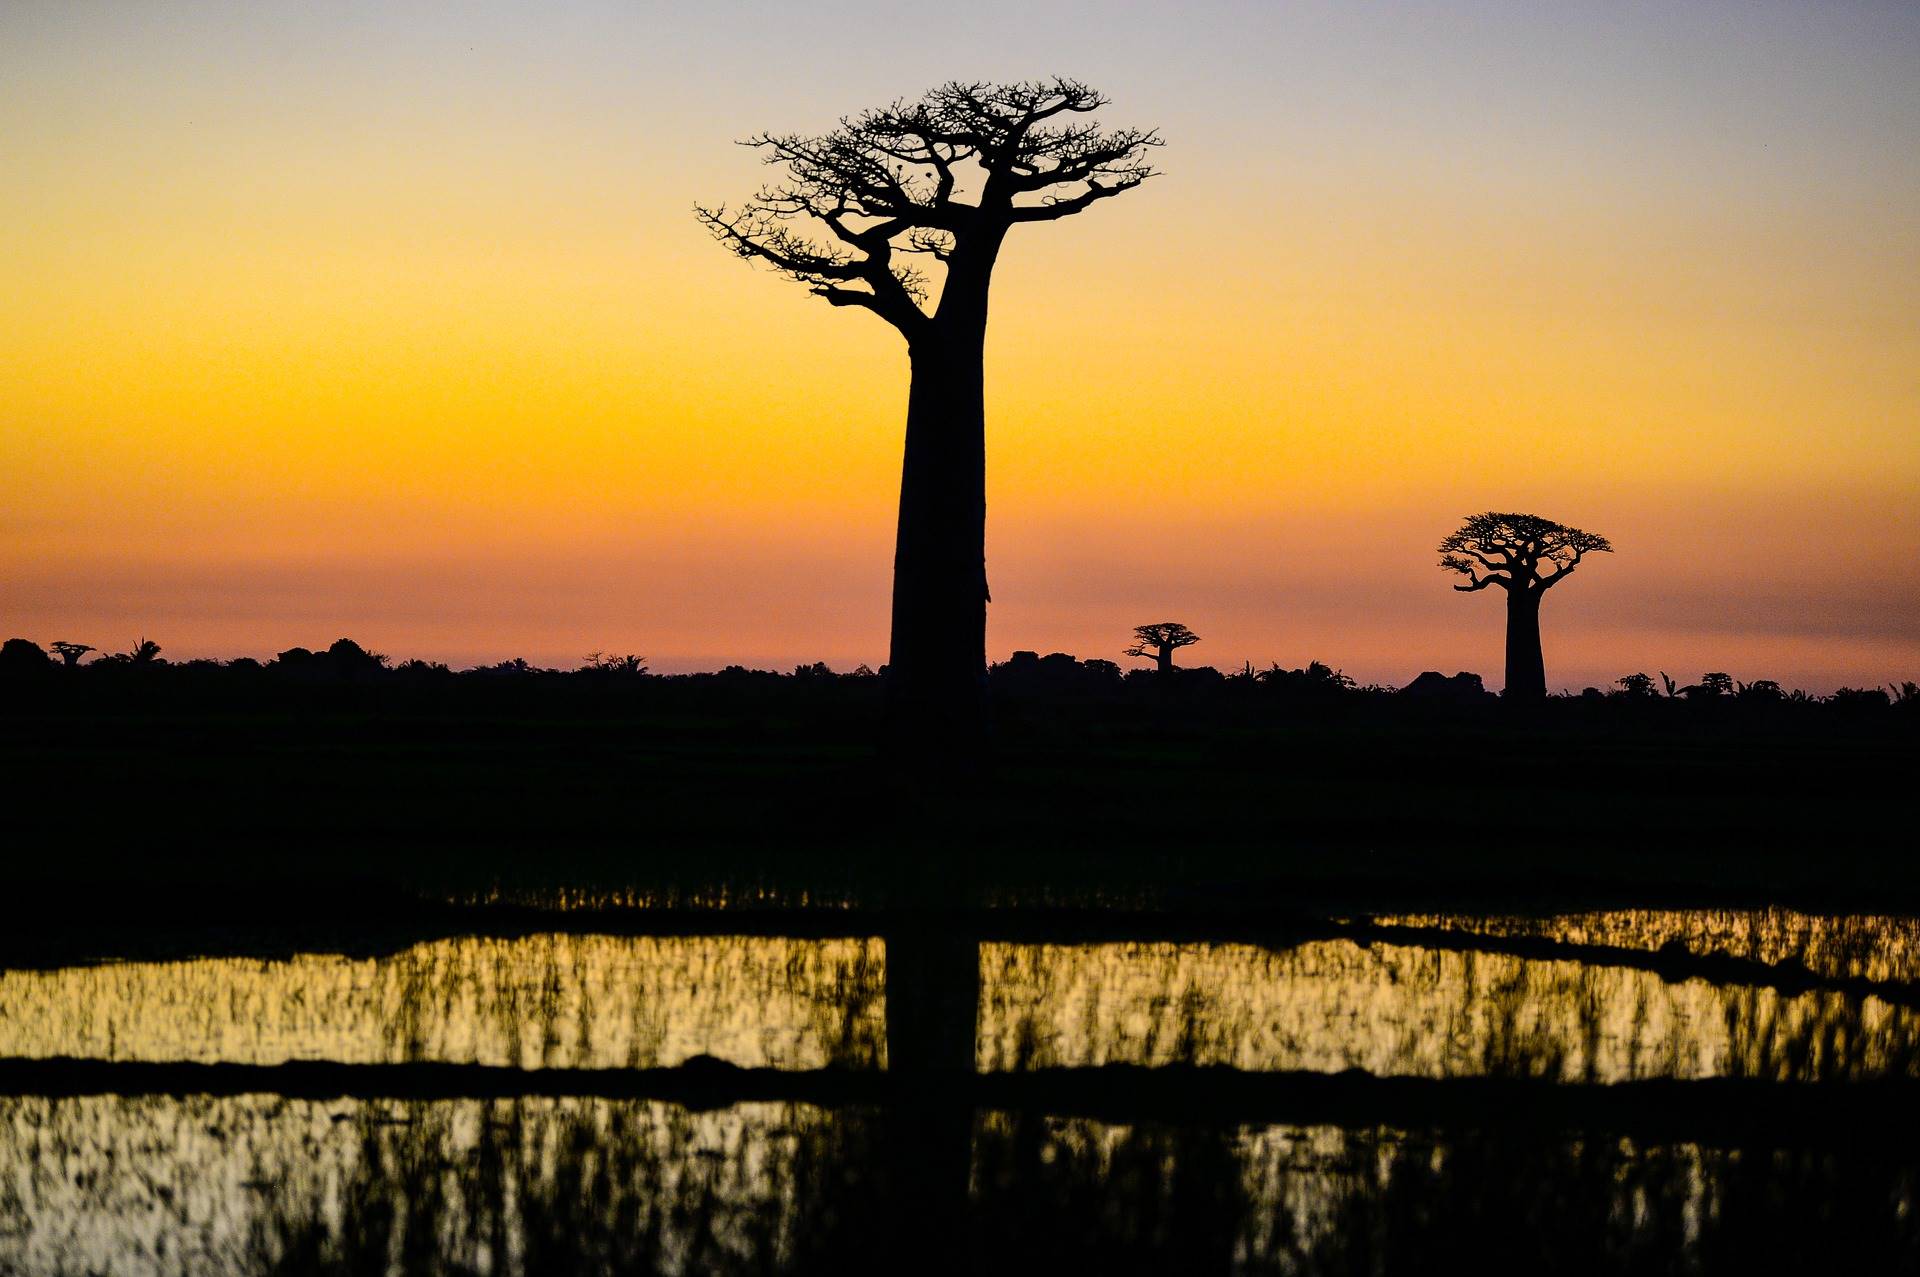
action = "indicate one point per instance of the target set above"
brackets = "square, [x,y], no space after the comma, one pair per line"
[890,181]
[936,244]
[756,235]
[1514,546]
[1482,582]
[1565,568]
[1054,209]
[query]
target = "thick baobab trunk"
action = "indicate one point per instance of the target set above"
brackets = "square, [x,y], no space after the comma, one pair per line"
[1526,668]
[1163,659]
[937,668]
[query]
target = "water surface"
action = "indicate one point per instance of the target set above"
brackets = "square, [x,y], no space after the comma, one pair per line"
[923,1177]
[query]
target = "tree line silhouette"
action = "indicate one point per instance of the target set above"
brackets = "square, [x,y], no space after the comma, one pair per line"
[1026,676]
[1523,555]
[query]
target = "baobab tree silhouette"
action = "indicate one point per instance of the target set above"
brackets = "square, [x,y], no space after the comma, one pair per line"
[1513,550]
[944,179]
[70,653]
[1160,640]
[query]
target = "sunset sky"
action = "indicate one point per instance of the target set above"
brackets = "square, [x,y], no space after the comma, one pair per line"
[393,321]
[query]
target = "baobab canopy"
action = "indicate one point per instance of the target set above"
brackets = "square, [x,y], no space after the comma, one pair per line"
[1513,548]
[938,180]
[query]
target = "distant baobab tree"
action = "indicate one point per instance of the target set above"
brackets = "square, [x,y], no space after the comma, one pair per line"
[1526,556]
[70,653]
[1160,640]
[943,179]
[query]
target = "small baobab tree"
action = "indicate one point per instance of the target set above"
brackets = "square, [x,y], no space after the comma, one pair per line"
[70,653]
[1526,556]
[1160,640]
[903,211]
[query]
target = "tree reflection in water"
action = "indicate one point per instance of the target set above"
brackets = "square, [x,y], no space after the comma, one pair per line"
[933,1178]
[582,1186]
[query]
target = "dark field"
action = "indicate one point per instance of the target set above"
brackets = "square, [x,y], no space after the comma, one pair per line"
[215,784]
[533,973]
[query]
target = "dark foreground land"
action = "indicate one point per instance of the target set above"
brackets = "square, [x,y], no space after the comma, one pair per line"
[285,790]
[324,967]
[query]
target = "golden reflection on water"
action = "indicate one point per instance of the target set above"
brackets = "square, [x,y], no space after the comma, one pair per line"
[260,1184]
[543,1001]
[1407,1010]
[1860,946]
[743,896]
[610,1001]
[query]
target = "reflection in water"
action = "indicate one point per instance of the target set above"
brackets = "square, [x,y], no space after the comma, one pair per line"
[543,1001]
[1078,1196]
[740,897]
[611,1001]
[1326,1006]
[927,1183]
[1854,946]
[257,1184]
[260,1185]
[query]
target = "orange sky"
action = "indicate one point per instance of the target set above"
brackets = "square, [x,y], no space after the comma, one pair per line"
[395,323]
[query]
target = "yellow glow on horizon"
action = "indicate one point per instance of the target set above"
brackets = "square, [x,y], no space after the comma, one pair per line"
[323,334]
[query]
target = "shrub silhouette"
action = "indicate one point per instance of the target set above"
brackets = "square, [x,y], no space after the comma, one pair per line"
[629,664]
[22,656]
[1635,685]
